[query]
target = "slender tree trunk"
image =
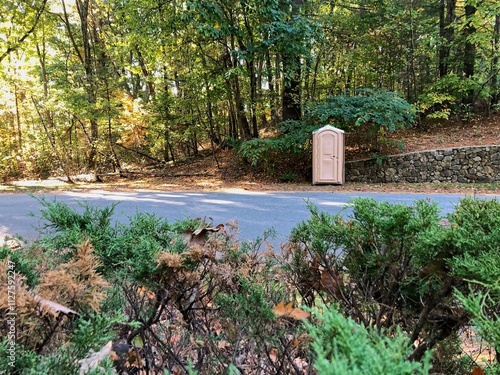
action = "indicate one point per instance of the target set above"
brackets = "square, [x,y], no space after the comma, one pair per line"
[495,89]
[272,89]
[150,92]
[447,16]
[86,58]
[469,50]
[241,117]
[167,145]
[412,90]
[250,63]
[214,139]
[18,121]
[292,77]
[234,82]
[260,95]
[253,97]
[314,84]
[47,117]
[291,88]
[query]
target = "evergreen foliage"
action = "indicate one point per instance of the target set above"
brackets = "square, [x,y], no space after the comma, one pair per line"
[370,114]
[390,287]
[342,346]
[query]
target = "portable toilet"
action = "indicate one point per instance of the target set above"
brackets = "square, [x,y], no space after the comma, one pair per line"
[328,156]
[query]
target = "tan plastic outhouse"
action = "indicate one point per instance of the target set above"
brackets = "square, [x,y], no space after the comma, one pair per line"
[328,156]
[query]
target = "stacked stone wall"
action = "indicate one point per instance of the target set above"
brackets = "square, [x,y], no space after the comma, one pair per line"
[464,164]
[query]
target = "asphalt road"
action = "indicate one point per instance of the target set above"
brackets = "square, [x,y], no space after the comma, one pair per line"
[255,212]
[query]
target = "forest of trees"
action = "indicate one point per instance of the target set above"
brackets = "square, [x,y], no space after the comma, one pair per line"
[98,85]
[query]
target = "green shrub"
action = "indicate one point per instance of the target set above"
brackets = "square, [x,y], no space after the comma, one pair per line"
[66,227]
[294,139]
[345,347]
[380,109]
[371,114]
[25,263]
[476,233]
[88,335]
[131,253]
[377,266]
[248,309]
[124,250]
[389,284]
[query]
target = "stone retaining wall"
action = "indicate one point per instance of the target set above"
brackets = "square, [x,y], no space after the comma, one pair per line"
[464,164]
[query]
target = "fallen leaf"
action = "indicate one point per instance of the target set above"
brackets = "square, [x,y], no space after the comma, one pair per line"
[477,371]
[200,234]
[138,342]
[133,360]
[144,291]
[281,309]
[273,355]
[91,362]
[331,284]
[223,344]
[299,314]
[289,311]
[53,307]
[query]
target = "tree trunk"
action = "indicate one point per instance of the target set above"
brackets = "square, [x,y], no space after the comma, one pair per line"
[150,88]
[272,89]
[291,73]
[253,97]
[234,83]
[469,51]
[243,126]
[291,88]
[447,15]
[495,89]
[412,75]
[86,58]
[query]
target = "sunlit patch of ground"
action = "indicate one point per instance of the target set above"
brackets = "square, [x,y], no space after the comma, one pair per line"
[227,171]
[40,183]
[474,347]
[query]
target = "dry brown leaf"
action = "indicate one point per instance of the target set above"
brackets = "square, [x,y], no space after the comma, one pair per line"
[477,371]
[201,226]
[331,284]
[289,311]
[134,360]
[75,283]
[89,363]
[223,344]
[299,314]
[142,290]
[281,309]
[273,355]
[53,307]
[200,234]
[167,259]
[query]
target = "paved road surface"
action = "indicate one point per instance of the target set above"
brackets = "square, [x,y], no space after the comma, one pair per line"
[255,212]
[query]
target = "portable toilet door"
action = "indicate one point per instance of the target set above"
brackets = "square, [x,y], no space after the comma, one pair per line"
[328,156]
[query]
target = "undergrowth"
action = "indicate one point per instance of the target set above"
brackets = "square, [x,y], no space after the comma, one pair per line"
[385,289]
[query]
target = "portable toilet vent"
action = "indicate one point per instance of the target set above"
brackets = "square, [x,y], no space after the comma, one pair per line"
[328,156]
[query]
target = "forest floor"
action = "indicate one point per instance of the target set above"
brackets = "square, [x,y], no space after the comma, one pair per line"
[226,171]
